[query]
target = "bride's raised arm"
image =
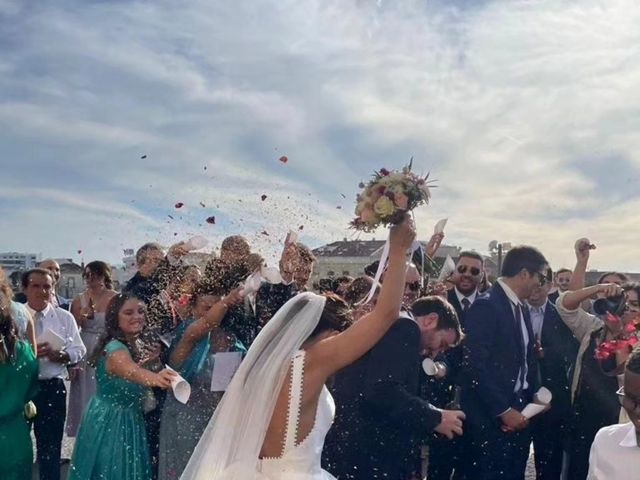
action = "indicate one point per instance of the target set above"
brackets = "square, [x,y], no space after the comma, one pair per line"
[336,352]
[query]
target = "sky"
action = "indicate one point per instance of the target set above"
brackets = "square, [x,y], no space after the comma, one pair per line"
[526,112]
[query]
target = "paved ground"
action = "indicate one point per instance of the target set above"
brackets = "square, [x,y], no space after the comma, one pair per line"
[67,448]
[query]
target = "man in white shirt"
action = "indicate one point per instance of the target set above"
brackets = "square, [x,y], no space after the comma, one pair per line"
[59,344]
[615,453]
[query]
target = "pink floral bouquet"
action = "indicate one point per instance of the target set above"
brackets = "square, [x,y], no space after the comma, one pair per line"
[387,196]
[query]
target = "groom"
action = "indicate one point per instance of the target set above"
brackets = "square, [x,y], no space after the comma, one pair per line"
[380,417]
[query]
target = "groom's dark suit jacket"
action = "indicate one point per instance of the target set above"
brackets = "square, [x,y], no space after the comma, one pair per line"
[380,418]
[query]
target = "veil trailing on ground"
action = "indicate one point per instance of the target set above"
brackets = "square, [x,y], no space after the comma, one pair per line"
[230,446]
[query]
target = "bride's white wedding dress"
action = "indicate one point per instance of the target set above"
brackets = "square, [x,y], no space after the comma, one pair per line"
[301,461]
[230,446]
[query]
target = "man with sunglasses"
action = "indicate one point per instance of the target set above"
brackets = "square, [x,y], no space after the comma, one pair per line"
[615,453]
[446,456]
[501,369]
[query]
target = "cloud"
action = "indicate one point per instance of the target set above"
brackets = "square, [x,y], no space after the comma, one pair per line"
[526,112]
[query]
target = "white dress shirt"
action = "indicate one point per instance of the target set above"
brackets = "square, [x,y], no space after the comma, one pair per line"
[516,303]
[461,296]
[615,454]
[62,323]
[537,318]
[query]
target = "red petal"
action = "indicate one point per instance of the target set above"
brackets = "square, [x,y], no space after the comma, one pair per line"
[284,159]
[179,205]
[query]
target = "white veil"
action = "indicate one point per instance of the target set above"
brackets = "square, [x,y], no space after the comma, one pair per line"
[230,446]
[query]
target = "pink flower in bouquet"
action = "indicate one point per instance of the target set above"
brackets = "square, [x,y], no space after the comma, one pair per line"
[401,201]
[367,214]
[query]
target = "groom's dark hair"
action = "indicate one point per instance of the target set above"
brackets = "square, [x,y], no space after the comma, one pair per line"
[447,316]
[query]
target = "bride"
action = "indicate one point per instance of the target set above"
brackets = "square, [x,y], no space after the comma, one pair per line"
[272,420]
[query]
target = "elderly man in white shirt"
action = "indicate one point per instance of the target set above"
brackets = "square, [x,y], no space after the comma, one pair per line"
[59,344]
[615,453]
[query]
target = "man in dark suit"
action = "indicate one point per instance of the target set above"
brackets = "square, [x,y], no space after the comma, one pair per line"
[562,279]
[446,456]
[380,417]
[501,375]
[556,350]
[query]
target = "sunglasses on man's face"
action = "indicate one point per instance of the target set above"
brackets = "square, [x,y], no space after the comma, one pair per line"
[473,271]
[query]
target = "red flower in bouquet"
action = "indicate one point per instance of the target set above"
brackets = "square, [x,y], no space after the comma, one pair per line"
[624,342]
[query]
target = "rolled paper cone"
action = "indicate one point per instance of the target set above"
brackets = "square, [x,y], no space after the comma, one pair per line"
[292,237]
[543,396]
[181,388]
[252,284]
[532,410]
[196,243]
[439,228]
[429,367]
[271,275]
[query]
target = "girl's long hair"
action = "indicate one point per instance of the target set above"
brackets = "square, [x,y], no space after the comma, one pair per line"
[113,331]
[8,333]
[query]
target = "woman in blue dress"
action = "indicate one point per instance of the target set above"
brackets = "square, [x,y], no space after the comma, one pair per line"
[193,353]
[111,443]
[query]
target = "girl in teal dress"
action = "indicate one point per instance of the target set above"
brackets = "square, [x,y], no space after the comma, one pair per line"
[18,385]
[111,443]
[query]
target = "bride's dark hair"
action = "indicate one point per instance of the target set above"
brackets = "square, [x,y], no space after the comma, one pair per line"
[336,315]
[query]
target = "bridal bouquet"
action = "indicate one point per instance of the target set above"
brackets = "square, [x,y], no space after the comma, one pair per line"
[387,196]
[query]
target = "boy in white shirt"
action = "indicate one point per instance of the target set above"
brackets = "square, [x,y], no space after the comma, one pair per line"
[615,453]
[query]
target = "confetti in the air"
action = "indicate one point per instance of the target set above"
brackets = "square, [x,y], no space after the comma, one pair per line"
[79,252]
[211,220]
[179,205]
[143,157]
[263,197]
[170,217]
[264,232]
[284,159]
[301,227]
[202,204]
[343,195]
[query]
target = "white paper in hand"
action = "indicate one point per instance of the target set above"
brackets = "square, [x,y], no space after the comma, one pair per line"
[181,388]
[55,341]
[196,243]
[429,367]
[225,365]
[447,269]
[292,237]
[439,228]
[542,398]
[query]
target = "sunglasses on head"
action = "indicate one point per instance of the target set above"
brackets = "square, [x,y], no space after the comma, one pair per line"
[473,271]
[413,286]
